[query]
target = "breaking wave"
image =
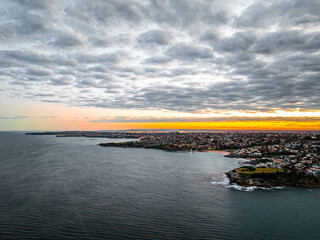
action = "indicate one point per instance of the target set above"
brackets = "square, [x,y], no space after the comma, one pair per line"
[225,182]
[251,188]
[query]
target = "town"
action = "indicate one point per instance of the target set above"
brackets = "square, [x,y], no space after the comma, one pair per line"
[290,152]
[299,152]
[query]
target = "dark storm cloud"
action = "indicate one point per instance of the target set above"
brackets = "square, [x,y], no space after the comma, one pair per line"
[181,55]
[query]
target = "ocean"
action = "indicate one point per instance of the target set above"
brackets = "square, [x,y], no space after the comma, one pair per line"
[71,188]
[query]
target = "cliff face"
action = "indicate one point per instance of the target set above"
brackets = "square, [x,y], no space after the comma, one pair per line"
[273,180]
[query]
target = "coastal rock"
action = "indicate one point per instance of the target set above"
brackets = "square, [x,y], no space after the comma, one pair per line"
[267,180]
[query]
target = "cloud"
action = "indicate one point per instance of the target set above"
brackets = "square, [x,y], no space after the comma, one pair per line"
[199,119]
[40,4]
[187,56]
[189,51]
[240,41]
[154,36]
[13,118]
[281,13]
[62,81]
[39,72]
[64,39]
[47,117]
[107,13]
[25,57]
[157,60]
[276,42]
[211,36]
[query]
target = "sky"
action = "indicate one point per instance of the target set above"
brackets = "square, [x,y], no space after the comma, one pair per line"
[180,64]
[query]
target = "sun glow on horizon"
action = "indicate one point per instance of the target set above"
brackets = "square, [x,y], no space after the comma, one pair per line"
[94,65]
[47,116]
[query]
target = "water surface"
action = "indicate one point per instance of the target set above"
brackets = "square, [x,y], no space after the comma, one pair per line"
[53,188]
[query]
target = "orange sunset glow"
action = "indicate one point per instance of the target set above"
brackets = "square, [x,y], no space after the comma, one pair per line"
[245,125]
[210,66]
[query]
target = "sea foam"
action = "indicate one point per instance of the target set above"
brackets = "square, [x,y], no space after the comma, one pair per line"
[225,182]
[251,188]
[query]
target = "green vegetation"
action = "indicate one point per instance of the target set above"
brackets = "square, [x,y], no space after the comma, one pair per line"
[252,170]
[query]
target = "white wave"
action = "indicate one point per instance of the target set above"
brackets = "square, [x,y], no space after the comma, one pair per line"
[224,181]
[241,188]
[251,188]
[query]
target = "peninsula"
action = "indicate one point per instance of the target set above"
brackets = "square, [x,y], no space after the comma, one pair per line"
[248,176]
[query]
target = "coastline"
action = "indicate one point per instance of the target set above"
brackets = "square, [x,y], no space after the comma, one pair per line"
[270,178]
[252,170]
[218,151]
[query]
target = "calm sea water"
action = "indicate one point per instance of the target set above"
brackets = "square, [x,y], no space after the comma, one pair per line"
[70,188]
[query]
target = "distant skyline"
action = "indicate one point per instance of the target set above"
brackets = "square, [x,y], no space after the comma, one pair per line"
[180,64]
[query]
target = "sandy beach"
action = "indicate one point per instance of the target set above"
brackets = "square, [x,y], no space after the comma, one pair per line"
[217,151]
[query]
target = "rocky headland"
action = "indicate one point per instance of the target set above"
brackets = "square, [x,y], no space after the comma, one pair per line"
[270,177]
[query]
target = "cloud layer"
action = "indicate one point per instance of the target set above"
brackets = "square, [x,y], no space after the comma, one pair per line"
[163,55]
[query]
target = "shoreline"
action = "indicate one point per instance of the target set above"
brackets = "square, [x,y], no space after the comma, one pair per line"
[218,151]
[270,179]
